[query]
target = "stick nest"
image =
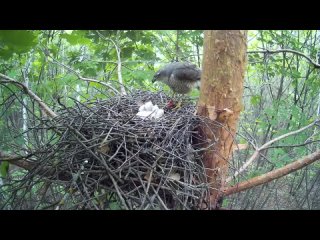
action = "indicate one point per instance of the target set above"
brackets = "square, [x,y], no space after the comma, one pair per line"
[106,156]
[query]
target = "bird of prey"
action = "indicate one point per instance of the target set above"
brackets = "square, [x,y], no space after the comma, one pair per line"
[181,77]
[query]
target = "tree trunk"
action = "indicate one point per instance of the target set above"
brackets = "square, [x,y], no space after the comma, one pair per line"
[224,63]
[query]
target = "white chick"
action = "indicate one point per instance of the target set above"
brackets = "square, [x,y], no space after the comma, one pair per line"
[148,106]
[159,114]
[143,114]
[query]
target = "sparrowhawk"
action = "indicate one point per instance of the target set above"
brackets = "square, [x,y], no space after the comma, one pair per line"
[181,77]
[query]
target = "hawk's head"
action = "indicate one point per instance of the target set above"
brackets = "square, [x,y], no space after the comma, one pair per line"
[158,76]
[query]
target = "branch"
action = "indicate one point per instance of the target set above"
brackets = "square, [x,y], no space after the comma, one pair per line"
[278,173]
[23,163]
[20,161]
[314,63]
[43,106]
[118,50]
[79,76]
[30,165]
[297,145]
[11,159]
[265,146]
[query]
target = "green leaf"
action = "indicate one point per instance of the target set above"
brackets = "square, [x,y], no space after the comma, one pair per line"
[76,37]
[132,35]
[94,84]
[4,168]
[255,100]
[16,41]
[54,49]
[126,52]
[296,74]
[13,73]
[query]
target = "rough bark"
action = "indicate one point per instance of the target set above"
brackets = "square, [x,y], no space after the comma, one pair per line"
[224,63]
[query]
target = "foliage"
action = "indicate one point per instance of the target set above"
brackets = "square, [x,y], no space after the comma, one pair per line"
[281,91]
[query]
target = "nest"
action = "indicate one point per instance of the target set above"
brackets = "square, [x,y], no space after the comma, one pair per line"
[107,157]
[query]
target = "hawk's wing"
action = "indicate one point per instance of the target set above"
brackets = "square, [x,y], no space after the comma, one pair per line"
[187,72]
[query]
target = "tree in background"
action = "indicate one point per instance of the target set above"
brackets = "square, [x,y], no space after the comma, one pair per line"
[279,122]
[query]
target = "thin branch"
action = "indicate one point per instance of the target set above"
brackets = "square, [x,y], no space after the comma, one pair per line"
[291,146]
[30,165]
[78,74]
[13,158]
[20,161]
[43,106]
[314,63]
[118,50]
[275,174]
[265,146]
[23,163]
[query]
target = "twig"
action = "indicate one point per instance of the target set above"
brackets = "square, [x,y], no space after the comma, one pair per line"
[43,106]
[119,65]
[14,158]
[292,146]
[314,63]
[270,176]
[266,145]
[78,74]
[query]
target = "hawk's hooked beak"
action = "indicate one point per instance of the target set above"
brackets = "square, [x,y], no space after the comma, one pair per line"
[154,79]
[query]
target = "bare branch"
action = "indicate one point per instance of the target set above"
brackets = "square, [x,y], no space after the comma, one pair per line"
[79,76]
[278,173]
[23,163]
[11,159]
[265,146]
[30,165]
[20,161]
[43,106]
[296,145]
[118,50]
[314,63]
